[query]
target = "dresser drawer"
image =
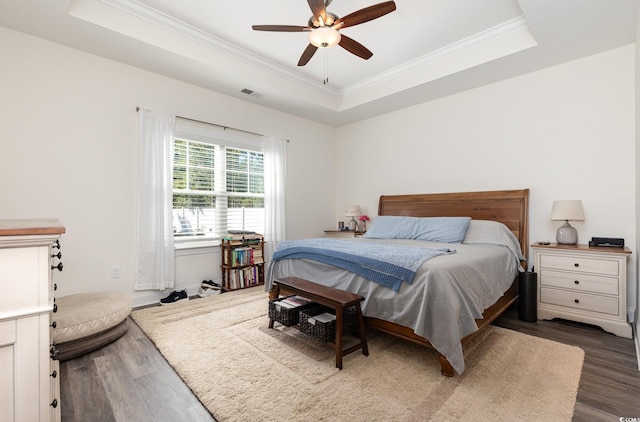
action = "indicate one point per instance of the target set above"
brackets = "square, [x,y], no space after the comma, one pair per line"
[585,265]
[54,390]
[578,300]
[579,282]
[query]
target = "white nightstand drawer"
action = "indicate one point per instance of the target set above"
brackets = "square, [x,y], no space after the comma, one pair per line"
[577,300]
[579,282]
[586,265]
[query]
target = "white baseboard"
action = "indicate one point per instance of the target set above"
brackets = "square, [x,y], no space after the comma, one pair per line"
[635,329]
[151,297]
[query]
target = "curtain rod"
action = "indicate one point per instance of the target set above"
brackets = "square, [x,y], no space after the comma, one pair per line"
[214,124]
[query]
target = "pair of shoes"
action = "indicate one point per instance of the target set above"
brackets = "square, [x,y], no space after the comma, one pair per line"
[208,288]
[174,297]
[208,292]
[210,284]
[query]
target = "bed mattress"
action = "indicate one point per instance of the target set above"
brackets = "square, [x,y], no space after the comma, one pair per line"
[446,296]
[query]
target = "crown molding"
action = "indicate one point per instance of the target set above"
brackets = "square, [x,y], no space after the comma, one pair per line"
[167,22]
[473,42]
[400,73]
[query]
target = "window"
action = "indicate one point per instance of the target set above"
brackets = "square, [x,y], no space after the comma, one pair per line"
[216,187]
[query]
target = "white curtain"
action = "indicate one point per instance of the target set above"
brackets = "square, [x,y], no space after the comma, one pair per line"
[275,176]
[155,256]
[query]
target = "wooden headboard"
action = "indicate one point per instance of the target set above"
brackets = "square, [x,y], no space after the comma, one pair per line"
[510,207]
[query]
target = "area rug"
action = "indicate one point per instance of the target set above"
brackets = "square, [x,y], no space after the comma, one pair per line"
[241,370]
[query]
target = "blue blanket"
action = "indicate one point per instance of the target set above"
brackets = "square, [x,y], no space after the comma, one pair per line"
[387,264]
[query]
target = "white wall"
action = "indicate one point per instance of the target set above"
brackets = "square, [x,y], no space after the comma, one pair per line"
[565,132]
[69,150]
[637,176]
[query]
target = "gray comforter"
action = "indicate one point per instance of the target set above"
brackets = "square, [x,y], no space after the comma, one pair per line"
[384,263]
[447,294]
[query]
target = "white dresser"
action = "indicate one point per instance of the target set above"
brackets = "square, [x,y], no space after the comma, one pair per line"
[29,377]
[585,284]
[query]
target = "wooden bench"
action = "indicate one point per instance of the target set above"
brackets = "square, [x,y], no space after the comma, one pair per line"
[332,298]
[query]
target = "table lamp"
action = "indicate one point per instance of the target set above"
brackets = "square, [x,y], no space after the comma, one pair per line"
[353,211]
[567,210]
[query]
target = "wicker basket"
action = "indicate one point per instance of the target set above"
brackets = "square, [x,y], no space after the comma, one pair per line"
[326,331]
[285,316]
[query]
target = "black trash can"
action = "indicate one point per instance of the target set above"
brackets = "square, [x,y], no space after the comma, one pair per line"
[528,290]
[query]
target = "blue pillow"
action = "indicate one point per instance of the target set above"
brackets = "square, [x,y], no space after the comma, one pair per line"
[435,229]
[391,227]
[442,229]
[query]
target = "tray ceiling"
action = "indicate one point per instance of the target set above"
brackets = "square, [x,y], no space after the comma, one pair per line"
[421,51]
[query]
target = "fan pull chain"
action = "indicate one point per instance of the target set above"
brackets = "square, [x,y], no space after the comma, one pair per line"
[325,81]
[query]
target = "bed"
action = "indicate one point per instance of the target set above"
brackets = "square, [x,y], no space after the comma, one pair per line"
[451,299]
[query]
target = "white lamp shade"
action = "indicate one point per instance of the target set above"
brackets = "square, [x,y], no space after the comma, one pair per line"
[567,210]
[353,211]
[324,37]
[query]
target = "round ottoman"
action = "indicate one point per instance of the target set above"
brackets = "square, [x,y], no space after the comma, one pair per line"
[86,322]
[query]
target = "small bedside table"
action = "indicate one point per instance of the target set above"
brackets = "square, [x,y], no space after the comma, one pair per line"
[342,234]
[582,283]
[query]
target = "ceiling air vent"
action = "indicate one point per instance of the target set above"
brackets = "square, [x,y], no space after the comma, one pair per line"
[250,92]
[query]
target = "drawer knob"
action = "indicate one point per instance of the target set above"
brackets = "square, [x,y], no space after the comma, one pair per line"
[57,255]
[576,265]
[576,300]
[54,324]
[58,267]
[55,308]
[54,374]
[54,403]
[576,281]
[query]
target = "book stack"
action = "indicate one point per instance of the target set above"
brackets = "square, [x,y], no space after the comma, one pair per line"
[243,236]
[243,277]
[323,318]
[286,310]
[291,302]
[242,256]
[320,322]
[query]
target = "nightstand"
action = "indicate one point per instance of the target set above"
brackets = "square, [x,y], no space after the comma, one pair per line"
[585,284]
[342,234]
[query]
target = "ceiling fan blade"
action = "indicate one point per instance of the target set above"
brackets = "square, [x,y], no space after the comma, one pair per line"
[354,47]
[318,9]
[307,54]
[365,15]
[280,28]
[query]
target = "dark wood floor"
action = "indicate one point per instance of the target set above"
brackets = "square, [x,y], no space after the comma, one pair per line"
[129,380]
[610,383]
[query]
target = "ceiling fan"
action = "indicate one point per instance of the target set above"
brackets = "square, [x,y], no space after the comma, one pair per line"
[323,28]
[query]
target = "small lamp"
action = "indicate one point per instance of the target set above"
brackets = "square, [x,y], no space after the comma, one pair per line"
[353,211]
[567,210]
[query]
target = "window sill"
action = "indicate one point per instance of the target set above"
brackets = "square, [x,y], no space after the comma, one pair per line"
[196,247]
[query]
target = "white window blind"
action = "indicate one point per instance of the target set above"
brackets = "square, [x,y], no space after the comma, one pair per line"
[218,182]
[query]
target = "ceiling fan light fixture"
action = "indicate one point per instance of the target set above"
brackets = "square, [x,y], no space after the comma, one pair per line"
[324,37]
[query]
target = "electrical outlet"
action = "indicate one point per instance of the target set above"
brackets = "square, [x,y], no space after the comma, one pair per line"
[116,271]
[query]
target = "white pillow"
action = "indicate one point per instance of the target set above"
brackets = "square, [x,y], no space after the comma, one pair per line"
[493,233]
